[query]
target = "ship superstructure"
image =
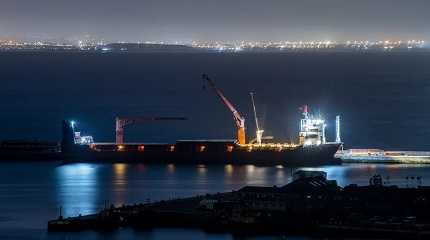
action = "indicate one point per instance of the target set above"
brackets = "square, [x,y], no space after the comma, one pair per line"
[78,138]
[312,129]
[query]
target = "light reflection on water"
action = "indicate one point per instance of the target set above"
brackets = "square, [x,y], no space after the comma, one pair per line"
[201,171]
[84,188]
[29,198]
[119,183]
[77,188]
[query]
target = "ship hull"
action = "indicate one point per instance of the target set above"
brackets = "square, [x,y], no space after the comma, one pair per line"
[298,156]
[207,151]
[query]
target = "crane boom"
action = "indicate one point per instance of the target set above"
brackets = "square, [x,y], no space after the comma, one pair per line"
[238,119]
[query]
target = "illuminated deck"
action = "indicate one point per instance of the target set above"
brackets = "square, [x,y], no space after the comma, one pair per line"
[268,147]
[202,144]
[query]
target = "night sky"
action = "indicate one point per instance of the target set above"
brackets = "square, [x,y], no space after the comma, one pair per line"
[186,20]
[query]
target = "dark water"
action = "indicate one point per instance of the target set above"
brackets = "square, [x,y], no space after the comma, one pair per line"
[383,98]
[31,193]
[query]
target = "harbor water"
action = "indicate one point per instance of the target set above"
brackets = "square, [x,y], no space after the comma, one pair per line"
[382,99]
[31,193]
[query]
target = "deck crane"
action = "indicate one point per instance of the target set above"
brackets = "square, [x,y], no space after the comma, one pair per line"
[238,119]
[259,132]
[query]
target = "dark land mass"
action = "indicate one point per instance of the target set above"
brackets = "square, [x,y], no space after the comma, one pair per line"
[310,205]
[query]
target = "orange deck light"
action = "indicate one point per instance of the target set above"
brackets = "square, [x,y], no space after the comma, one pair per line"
[202,148]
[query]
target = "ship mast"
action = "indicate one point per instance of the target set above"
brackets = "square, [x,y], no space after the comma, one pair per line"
[238,119]
[259,132]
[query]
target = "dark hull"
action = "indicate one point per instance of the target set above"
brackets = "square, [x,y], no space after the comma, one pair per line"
[300,156]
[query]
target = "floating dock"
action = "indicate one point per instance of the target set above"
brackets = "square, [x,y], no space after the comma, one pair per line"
[382,156]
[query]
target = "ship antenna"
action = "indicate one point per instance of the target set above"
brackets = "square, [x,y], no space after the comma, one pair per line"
[259,132]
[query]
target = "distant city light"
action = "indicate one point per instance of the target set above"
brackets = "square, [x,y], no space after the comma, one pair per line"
[92,44]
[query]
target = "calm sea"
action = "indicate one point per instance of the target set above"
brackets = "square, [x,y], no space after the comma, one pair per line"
[382,98]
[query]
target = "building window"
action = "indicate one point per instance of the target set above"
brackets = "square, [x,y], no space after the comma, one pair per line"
[141,148]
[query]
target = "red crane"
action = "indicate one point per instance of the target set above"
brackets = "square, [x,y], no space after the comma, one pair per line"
[121,122]
[238,119]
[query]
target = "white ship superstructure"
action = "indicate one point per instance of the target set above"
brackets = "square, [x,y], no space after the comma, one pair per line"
[312,129]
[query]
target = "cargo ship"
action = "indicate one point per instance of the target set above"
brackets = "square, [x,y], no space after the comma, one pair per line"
[312,148]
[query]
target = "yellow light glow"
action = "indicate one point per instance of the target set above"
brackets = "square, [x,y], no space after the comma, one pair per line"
[228,169]
[171,168]
[120,169]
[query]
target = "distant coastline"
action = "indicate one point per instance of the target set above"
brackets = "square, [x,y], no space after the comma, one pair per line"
[289,47]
